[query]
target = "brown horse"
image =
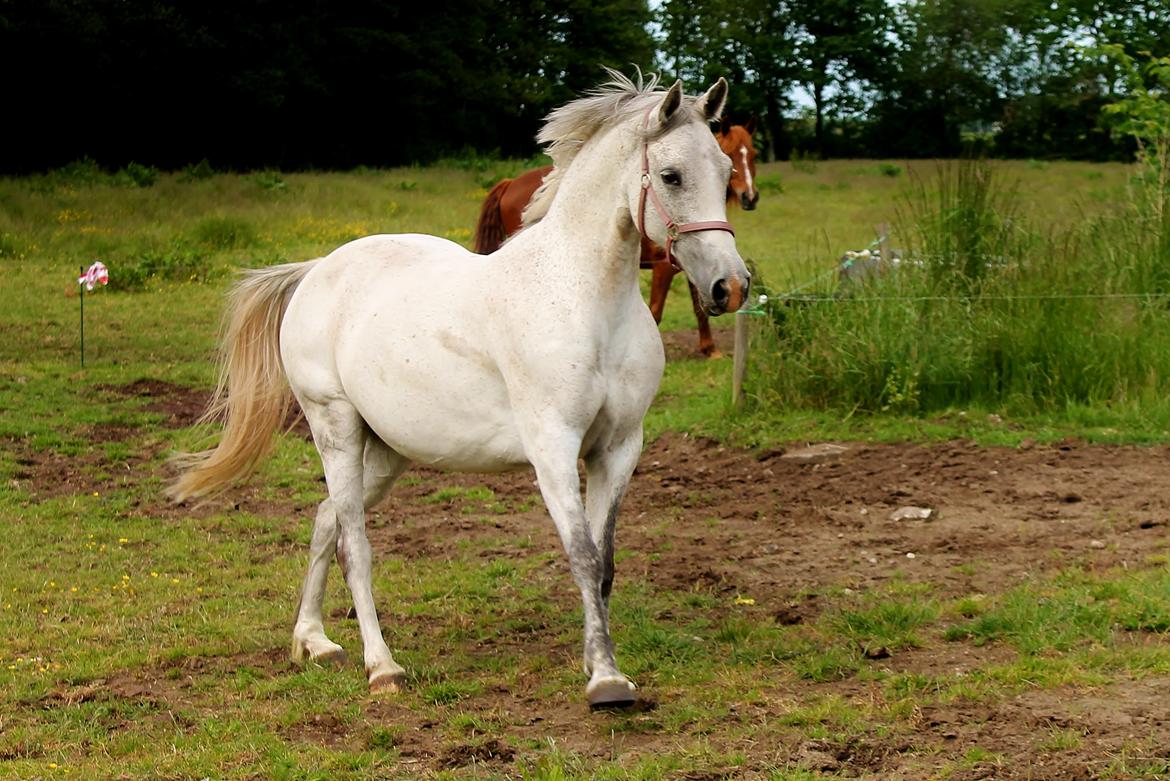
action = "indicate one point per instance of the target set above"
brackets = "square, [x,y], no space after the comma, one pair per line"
[502,213]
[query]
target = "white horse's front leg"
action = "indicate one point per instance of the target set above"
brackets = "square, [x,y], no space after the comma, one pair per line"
[607,474]
[340,435]
[560,486]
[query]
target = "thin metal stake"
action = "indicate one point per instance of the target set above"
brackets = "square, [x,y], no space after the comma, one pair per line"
[81,287]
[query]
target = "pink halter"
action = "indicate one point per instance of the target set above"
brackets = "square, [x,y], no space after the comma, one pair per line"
[673,230]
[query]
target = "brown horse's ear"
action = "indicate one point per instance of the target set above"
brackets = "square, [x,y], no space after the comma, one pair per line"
[725,125]
[710,104]
[670,103]
[750,127]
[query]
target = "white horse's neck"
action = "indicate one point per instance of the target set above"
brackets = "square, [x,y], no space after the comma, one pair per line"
[591,214]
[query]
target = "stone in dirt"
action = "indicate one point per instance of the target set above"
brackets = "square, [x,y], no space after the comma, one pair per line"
[816,454]
[911,514]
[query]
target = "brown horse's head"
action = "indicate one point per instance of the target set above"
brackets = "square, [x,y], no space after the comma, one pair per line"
[736,142]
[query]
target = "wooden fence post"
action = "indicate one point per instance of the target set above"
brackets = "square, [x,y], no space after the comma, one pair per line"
[740,359]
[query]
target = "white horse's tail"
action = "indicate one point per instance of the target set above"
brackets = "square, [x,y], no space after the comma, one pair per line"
[252,397]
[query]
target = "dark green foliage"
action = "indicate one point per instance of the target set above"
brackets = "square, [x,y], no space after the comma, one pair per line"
[139,175]
[305,84]
[197,171]
[80,173]
[86,172]
[299,83]
[271,181]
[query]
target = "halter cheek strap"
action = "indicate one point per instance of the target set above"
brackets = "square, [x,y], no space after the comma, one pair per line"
[673,230]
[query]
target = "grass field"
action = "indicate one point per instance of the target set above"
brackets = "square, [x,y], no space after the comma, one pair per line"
[139,640]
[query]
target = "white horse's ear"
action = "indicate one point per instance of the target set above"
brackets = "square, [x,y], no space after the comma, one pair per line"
[710,105]
[670,103]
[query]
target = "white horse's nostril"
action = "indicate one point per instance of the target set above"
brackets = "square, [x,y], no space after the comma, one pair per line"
[720,293]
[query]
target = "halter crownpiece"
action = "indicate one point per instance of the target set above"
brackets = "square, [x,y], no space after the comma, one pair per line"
[673,230]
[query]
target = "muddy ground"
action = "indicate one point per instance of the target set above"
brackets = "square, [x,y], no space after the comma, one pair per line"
[778,528]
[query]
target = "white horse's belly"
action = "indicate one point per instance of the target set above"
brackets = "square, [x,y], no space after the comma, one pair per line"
[458,419]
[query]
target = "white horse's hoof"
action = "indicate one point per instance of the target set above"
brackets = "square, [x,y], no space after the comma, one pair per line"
[612,692]
[323,652]
[334,657]
[387,682]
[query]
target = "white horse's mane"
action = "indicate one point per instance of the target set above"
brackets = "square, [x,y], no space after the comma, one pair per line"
[568,128]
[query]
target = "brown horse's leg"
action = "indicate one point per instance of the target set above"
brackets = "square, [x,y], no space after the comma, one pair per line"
[659,287]
[706,342]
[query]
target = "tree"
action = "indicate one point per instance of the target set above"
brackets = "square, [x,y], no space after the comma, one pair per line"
[938,77]
[840,47]
[746,41]
[299,83]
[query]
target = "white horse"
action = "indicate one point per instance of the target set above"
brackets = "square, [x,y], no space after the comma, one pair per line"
[409,348]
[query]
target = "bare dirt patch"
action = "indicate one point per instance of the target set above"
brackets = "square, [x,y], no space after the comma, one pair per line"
[760,525]
[684,345]
[703,516]
[180,406]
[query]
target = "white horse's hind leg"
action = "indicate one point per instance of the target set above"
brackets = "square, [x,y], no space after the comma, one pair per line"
[381,466]
[341,437]
[560,485]
[309,640]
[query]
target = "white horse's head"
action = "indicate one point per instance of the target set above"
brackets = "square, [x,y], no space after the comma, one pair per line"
[681,200]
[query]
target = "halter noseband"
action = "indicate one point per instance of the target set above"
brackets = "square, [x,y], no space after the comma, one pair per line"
[673,230]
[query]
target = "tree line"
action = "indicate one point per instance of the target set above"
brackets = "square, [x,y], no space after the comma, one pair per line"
[311,83]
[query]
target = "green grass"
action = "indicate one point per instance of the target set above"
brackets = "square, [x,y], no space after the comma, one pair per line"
[105,590]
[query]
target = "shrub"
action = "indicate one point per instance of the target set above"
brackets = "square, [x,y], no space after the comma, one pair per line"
[197,171]
[270,181]
[137,175]
[87,173]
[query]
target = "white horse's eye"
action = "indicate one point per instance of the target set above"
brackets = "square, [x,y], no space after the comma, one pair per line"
[671,178]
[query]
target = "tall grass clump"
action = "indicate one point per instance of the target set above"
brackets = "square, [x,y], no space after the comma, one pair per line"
[984,310]
[224,232]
